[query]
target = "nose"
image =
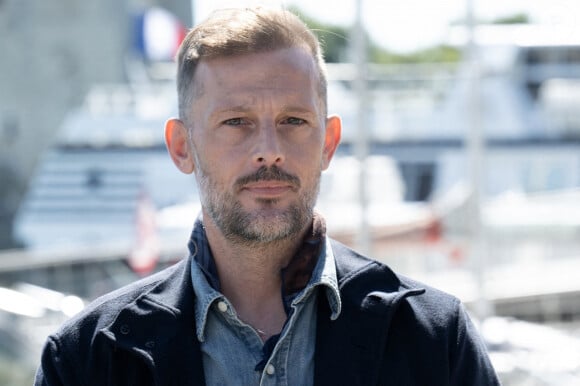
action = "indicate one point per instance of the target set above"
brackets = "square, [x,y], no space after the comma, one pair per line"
[268,150]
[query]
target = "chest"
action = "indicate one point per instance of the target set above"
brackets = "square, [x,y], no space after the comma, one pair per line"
[231,349]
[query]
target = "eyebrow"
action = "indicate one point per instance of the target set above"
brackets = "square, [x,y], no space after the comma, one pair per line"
[297,109]
[232,109]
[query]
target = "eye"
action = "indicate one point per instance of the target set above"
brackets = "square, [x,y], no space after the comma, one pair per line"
[235,122]
[293,121]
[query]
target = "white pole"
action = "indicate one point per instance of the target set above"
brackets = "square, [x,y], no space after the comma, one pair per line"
[475,148]
[361,144]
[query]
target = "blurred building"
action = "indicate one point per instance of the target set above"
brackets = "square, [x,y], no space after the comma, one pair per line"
[52,52]
[528,90]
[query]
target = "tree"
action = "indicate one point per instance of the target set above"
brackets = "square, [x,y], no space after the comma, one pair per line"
[335,42]
[518,18]
[334,39]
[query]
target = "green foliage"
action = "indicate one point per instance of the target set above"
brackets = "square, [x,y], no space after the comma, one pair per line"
[437,54]
[334,39]
[335,42]
[518,18]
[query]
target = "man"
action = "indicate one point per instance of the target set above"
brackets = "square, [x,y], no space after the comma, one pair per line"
[265,298]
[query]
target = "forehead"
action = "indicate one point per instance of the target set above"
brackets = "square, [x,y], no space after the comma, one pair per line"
[292,70]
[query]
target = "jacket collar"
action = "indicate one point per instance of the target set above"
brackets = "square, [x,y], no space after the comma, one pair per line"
[363,326]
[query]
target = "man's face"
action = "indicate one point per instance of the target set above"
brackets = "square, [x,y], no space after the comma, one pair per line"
[260,140]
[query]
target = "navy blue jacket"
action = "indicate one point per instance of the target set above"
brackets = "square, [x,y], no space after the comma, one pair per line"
[391,331]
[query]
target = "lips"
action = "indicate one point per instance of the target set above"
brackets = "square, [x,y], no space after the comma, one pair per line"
[269,188]
[269,181]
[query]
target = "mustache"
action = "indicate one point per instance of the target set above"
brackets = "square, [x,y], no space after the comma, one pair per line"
[272,173]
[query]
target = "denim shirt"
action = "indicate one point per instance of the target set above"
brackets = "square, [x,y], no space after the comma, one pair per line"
[233,352]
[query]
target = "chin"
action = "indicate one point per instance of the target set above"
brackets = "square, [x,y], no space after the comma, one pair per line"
[271,225]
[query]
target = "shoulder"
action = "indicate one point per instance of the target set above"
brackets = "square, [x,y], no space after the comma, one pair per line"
[88,342]
[360,276]
[367,285]
[409,324]
[103,311]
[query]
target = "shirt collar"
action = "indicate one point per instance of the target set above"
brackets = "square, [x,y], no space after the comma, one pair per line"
[300,277]
[324,277]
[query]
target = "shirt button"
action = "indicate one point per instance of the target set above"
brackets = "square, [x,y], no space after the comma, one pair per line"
[222,306]
[270,369]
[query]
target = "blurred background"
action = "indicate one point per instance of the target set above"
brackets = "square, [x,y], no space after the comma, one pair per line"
[459,166]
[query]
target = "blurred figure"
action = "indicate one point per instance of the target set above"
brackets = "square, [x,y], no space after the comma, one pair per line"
[265,297]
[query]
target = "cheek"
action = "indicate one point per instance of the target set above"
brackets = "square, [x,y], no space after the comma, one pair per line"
[207,156]
[224,153]
[311,158]
[215,176]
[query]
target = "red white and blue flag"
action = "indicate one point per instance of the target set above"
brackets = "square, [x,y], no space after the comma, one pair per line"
[158,35]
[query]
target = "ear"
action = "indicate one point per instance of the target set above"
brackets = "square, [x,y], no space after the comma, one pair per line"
[178,145]
[331,139]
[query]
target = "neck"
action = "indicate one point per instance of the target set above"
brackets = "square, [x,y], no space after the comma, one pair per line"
[250,277]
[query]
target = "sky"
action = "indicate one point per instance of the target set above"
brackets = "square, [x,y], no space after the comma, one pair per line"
[412,24]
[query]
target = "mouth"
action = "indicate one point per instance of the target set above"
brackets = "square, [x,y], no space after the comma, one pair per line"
[269,188]
[269,182]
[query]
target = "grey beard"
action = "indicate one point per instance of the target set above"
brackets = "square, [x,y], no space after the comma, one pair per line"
[256,228]
[251,229]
